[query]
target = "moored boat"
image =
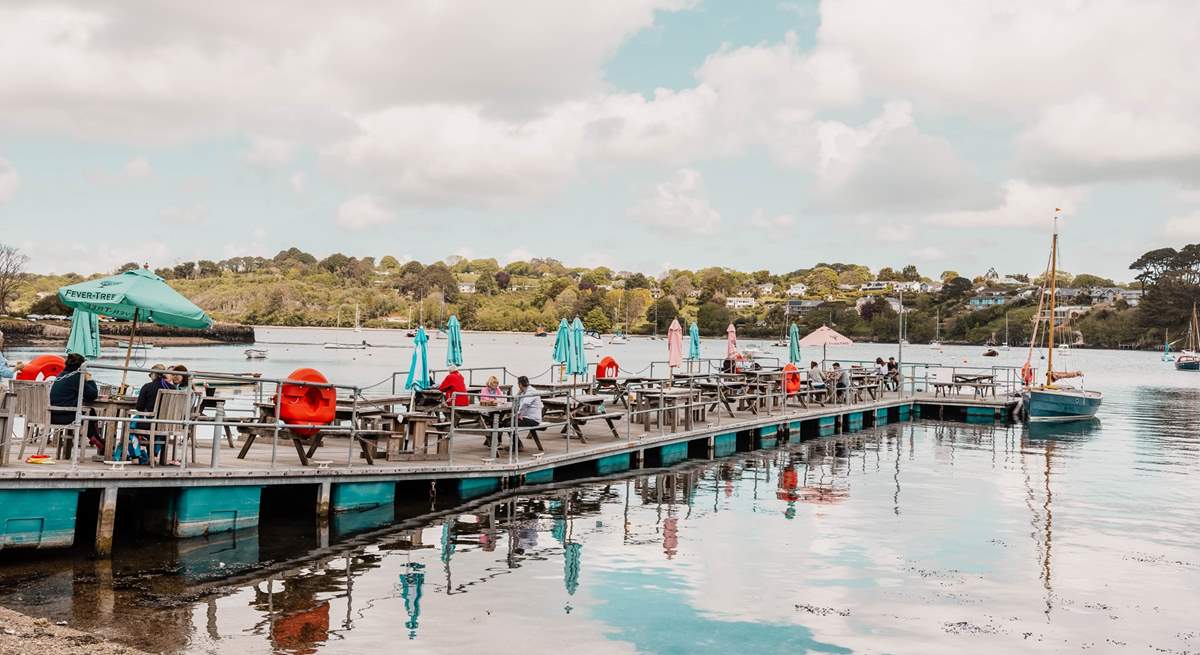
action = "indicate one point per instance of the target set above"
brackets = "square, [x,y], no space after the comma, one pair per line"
[1189,359]
[1051,401]
[255,353]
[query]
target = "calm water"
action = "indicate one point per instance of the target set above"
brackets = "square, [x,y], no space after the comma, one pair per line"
[914,537]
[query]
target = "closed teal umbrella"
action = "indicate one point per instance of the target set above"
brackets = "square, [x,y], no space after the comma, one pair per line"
[85,334]
[454,347]
[562,342]
[694,337]
[576,358]
[418,370]
[794,344]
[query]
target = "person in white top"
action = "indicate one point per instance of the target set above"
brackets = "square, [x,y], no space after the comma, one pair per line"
[529,408]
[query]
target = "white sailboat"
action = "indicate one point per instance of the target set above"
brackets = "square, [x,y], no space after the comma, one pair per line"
[1005,345]
[936,344]
[337,342]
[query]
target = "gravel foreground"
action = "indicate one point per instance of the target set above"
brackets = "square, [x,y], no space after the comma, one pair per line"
[22,635]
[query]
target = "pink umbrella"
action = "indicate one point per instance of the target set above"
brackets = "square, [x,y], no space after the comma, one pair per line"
[824,337]
[731,345]
[675,344]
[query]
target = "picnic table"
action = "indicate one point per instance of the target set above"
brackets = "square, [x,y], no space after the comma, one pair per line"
[664,403]
[494,421]
[582,409]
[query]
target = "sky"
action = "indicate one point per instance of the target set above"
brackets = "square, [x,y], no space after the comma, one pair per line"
[636,134]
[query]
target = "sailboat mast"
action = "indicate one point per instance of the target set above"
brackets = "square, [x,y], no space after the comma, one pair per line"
[1053,292]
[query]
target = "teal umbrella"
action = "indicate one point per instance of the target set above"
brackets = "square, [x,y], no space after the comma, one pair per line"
[418,370]
[562,342]
[794,344]
[85,334]
[576,358]
[135,295]
[694,347]
[454,346]
[412,584]
[572,561]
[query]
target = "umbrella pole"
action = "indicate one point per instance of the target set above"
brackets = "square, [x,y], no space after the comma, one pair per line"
[129,351]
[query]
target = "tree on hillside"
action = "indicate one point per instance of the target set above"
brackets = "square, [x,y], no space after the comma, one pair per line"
[437,276]
[207,268]
[128,266]
[887,274]
[956,288]
[946,276]
[184,270]
[664,311]
[637,281]
[12,268]
[485,284]
[1089,280]
[1171,280]
[910,274]
[503,279]
[294,255]
[822,281]
[877,306]
[597,320]
[712,319]
[389,263]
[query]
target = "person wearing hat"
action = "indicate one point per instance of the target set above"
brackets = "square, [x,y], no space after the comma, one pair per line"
[454,387]
[8,370]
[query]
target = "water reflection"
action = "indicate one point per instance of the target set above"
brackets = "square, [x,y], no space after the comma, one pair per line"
[880,540]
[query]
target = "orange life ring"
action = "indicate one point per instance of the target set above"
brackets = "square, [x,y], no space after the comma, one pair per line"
[607,368]
[303,404]
[1027,374]
[42,367]
[791,378]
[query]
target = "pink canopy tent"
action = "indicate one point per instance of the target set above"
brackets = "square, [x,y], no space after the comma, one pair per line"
[731,342]
[824,337]
[674,344]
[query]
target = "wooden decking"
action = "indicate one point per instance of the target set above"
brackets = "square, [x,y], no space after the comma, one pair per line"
[468,454]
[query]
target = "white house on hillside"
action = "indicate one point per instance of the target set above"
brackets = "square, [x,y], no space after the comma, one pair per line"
[798,289]
[875,285]
[466,287]
[740,303]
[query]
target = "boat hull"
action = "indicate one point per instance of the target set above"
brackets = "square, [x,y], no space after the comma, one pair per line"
[1062,404]
[1187,364]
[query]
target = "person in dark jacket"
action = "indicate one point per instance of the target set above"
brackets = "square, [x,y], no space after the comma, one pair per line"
[65,393]
[149,391]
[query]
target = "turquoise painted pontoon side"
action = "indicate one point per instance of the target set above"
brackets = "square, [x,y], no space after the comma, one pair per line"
[854,421]
[198,511]
[475,487]
[539,477]
[356,496]
[827,425]
[612,464]
[905,412]
[881,416]
[795,426]
[725,445]
[673,453]
[38,518]
[981,415]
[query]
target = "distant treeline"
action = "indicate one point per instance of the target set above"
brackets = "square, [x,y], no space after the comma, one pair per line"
[18,331]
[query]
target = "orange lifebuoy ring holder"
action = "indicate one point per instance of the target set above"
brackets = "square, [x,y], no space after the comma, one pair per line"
[791,378]
[301,404]
[607,368]
[42,367]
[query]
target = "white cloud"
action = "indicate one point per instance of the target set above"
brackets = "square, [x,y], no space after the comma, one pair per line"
[1024,205]
[9,181]
[269,153]
[889,165]
[1054,71]
[191,215]
[927,254]
[678,206]
[299,182]
[259,233]
[1183,227]
[518,255]
[894,232]
[137,168]
[90,257]
[363,212]
[760,219]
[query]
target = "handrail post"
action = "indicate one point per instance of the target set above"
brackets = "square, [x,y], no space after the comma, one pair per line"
[568,433]
[353,425]
[275,429]
[77,423]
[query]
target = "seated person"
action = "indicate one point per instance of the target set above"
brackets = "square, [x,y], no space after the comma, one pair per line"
[149,391]
[841,377]
[491,394]
[816,379]
[880,368]
[529,408]
[454,387]
[65,393]
[179,378]
[8,370]
[893,373]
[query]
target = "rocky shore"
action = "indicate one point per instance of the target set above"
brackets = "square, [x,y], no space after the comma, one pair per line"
[22,635]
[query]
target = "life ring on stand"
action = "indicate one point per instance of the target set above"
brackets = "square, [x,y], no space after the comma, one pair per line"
[1027,374]
[791,378]
[301,404]
[42,367]
[607,368]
